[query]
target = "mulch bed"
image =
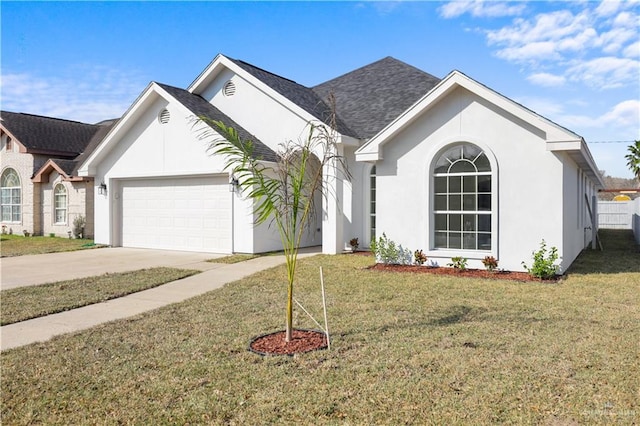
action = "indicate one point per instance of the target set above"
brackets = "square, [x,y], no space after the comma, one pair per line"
[302,341]
[467,273]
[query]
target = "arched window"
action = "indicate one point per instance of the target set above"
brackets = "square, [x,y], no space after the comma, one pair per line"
[60,204]
[462,199]
[11,195]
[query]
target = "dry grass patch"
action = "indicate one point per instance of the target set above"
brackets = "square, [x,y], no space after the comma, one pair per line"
[24,303]
[234,258]
[16,245]
[406,349]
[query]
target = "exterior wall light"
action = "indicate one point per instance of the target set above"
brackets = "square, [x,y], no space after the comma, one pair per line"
[233,184]
[102,189]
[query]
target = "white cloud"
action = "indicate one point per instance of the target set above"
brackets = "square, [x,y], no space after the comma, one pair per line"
[605,72]
[481,9]
[624,114]
[632,51]
[90,95]
[546,79]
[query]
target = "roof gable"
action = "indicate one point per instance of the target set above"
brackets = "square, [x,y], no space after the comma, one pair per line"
[371,97]
[201,108]
[557,138]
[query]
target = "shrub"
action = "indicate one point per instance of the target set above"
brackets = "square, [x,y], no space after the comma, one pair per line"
[490,263]
[78,226]
[386,251]
[419,257]
[354,244]
[458,262]
[543,266]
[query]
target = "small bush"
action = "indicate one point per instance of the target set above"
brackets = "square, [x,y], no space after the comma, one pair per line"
[419,257]
[543,266]
[354,244]
[490,263]
[458,262]
[386,251]
[78,226]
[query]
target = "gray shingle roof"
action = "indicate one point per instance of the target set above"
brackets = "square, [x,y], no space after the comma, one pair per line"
[302,96]
[201,108]
[371,97]
[47,135]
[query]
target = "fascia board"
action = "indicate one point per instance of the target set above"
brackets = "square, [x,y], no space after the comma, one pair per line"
[564,145]
[88,168]
[42,175]
[206,74]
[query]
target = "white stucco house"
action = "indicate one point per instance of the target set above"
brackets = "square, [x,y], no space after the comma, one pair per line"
[447,166]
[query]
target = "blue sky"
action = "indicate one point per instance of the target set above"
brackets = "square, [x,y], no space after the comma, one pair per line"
[576,63]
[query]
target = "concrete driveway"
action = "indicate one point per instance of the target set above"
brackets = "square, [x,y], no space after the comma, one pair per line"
[35,269]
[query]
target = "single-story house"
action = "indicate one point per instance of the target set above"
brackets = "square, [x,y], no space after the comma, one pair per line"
[42,193]
[447,166]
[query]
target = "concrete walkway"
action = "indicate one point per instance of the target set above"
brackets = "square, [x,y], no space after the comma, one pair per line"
[214,277]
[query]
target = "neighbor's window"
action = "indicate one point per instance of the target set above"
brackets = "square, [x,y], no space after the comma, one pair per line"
[60,204]
[462,199]
[11,195]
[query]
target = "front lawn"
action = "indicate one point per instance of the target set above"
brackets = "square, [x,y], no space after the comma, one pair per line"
[18,245]
[19,304]
[406,349]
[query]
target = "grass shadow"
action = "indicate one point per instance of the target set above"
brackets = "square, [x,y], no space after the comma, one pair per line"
[620,254]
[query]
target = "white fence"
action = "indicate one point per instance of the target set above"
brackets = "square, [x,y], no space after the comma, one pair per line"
[615,214]
[620,215]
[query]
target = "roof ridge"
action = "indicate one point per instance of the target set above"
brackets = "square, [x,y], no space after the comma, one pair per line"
[48,118]
[268,72]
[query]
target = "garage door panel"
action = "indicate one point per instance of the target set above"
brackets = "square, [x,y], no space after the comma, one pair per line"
[177,214]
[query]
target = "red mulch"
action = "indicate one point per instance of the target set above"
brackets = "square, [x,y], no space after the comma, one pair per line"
[467,273]
[302,341]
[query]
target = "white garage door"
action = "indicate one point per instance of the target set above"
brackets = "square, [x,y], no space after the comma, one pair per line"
[192,214]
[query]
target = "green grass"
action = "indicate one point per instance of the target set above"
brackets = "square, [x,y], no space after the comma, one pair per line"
[24,303]
[17,245]
[406,349]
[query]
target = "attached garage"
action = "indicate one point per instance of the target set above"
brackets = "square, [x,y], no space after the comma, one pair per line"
[181,213]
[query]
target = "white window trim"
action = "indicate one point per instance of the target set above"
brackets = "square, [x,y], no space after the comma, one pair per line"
[12,188]
[436,151]
[55,205]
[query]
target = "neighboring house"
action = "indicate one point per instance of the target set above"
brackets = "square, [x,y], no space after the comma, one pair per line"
[42,193]
[447,166]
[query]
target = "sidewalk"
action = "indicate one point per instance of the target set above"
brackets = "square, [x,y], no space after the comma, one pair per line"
[44,328]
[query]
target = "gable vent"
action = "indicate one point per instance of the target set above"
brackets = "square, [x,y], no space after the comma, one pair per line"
[164,116]
[229,88]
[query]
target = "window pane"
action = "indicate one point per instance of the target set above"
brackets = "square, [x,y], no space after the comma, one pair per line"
[462,166]
[455,184]
[441,222]
[16,214]
[484,202]
[440,185]
[484,241]
[469,183]
[470,152]
[482,163]
[455,202]
[469,241]
[441,240]
[469,222]
[469,202]
[484,222]
[484,183]
[455,222]
[6,214]
[455,240]
[441,202]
